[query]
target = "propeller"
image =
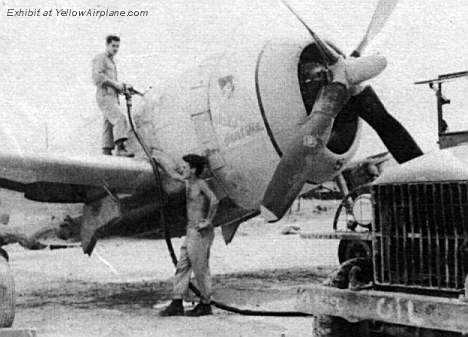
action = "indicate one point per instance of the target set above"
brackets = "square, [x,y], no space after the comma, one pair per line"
[298,163]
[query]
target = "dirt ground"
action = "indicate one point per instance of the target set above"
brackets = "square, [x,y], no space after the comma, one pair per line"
[120,288]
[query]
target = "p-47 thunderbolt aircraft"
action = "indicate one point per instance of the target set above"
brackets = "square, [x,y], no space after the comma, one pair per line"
[270,121]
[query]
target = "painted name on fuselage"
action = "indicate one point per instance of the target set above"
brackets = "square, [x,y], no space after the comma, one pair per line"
[242,133]
[228,120]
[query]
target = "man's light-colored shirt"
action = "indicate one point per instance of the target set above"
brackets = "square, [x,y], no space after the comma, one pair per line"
[104,74]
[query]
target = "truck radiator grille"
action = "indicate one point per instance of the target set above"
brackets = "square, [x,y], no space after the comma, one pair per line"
[420,235]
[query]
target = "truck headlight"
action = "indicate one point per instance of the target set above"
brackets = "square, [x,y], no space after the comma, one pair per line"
[362,210]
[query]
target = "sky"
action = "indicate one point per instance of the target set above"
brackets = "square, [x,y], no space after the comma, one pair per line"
[47,99]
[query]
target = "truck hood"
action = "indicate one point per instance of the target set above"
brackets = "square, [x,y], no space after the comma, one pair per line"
[440,165]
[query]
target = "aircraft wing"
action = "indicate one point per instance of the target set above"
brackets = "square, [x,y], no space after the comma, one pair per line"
[70,178]
[47,177]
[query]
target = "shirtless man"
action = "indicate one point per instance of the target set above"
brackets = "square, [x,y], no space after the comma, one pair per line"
[195,251]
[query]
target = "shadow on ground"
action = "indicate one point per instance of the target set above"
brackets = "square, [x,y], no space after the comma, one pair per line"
[236,288]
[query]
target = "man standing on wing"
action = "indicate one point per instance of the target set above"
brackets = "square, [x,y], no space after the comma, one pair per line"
[195,251]
[104,76]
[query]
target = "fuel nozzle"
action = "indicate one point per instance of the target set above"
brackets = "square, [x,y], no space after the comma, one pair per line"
[129,90]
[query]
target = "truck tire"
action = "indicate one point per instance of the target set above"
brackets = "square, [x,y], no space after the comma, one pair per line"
[7,292]
[351,248]
[333,326]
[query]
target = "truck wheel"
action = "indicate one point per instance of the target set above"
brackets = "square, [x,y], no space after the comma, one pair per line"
[7,292]
[350,249]
[331,326]
[343,278]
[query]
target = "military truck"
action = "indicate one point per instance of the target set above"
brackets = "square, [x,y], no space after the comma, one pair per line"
[404,271]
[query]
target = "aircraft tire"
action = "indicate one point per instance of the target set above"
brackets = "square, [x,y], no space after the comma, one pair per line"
[7,292]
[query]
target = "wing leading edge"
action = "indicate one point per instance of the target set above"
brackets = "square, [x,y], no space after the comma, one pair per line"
[66,178]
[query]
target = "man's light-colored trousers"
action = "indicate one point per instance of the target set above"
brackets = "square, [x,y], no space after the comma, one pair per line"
[115,123]
[194,256]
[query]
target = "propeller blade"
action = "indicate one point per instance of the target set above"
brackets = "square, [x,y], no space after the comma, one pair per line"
[329,55]
[395,137]
[364,68]
[301,159]
[381,14]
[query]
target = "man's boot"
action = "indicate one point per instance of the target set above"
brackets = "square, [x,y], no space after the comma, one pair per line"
[121,150]
[201,309]
[174,309]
